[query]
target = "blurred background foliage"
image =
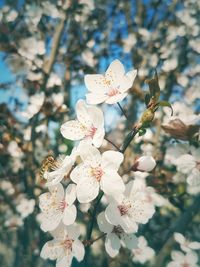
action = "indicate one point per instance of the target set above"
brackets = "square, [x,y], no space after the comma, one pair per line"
[46,48]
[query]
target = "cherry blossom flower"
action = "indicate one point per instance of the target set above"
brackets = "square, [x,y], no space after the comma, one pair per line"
[145,164]
[26,207]
[97,172]
[62,168]
[143,252]
[88,126]
[129,209]
[57,206]
[183,260]
[186,245]
[111,87]
[190,164]
[115,236]
[64,246]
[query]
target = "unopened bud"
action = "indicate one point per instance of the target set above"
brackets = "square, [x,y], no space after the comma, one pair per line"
[144,164]
[147,116]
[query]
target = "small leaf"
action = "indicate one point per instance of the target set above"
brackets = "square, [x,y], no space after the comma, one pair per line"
[142,131]
[154,87]
[165,104]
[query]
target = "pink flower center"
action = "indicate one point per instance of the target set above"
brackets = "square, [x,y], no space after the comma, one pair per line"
[62,205]
[124,208]
[97,173]
[67,244]
[91,132]
[185,264]
[113,92]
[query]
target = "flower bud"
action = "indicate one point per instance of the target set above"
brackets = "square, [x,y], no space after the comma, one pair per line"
[144,164]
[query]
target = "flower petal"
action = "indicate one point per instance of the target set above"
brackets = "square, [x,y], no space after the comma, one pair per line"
[98,137]
[127,81]
[112,244]
[49,221]
[96,83]
[73,231]
[83,114]
[78,250]
[96,98]
[103,224]
[111,160]
[87,189]
[112,214]
[51,250]
[115,73]
[129,240]
[90,154]
[80,171]
[65,261]
[73,130]
[116,98]
[70,194]
[69,215]
[111,183]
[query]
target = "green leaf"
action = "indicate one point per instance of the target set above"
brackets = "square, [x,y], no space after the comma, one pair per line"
[142,131]
[165,104]
[154,87]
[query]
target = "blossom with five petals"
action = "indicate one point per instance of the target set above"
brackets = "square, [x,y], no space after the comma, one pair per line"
[64,246]
[88,126]
[185,244]
[129,209]
[97,171]
[143,252]
[183,260]
[111,87]
[115,236]
[58,206]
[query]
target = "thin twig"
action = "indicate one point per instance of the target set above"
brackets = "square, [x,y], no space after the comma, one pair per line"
[112,143]
[122,110]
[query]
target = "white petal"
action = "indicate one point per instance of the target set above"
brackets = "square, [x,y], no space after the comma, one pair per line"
[82,113]
[185,163]
[145,163]
[112,244]
[98,137]
[78,250]
[96,116]
[96,83]
[142,211]
[90,154]
[103,224]
[51,250]
[192,257]
[194,245]
[65,261]
[70,194]
[115,73]
[194,178]
[95,98]
[87,189]
[111,183]
[129,240]
[179,238]
[116,98]
[80,171]
[69,215]
[128,224]
[73,130]
[127,81]
[49,221]
[112,214]
[177,256]
[73,231]
[111,160]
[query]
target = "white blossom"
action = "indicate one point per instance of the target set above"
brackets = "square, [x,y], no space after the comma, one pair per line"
[183,260]
[143,252]
[97,172]
[145,163]
[115,236]
[185,244]
[88,126]
[111,87]
[64,246]
[26,207]
[130,209]
[57,205]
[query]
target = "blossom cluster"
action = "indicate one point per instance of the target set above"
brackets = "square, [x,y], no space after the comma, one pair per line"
[84,176]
